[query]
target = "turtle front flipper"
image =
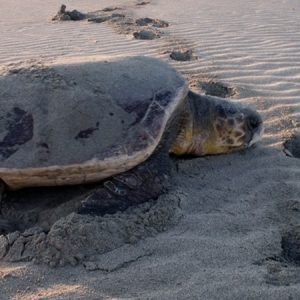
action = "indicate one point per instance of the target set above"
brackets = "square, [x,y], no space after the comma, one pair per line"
[143,183]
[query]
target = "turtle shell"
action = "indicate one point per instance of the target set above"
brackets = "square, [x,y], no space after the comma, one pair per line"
[72,123]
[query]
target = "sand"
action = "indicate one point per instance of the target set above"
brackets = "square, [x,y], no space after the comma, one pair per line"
[218,233]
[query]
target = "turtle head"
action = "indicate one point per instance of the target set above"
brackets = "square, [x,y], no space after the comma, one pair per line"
[217,126]
[233,127]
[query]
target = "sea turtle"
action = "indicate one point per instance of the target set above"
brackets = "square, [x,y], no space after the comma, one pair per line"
[115,121]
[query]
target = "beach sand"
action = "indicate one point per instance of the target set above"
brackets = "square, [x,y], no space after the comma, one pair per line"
[218,233]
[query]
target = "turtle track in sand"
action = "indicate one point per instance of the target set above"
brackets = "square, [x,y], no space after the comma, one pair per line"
[119,19]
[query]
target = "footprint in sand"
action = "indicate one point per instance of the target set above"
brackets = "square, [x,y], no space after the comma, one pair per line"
[217,89]
[151,22]
[146,35]
[99,19]
[212,87]
[185,55]
[111,8]
[104,18]
[150,33]
[142,3]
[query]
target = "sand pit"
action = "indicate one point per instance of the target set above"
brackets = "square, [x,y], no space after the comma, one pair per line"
[229,227]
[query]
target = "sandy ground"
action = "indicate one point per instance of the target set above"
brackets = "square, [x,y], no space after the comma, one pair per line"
[229,213]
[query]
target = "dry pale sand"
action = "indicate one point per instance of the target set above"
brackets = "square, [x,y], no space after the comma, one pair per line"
[225,242]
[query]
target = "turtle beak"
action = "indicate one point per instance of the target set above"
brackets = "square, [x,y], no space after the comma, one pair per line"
[255,126]
[256,138]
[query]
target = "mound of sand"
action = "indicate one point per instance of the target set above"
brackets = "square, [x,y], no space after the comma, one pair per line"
[77,238]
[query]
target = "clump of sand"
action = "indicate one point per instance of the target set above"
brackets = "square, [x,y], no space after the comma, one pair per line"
[77,238]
